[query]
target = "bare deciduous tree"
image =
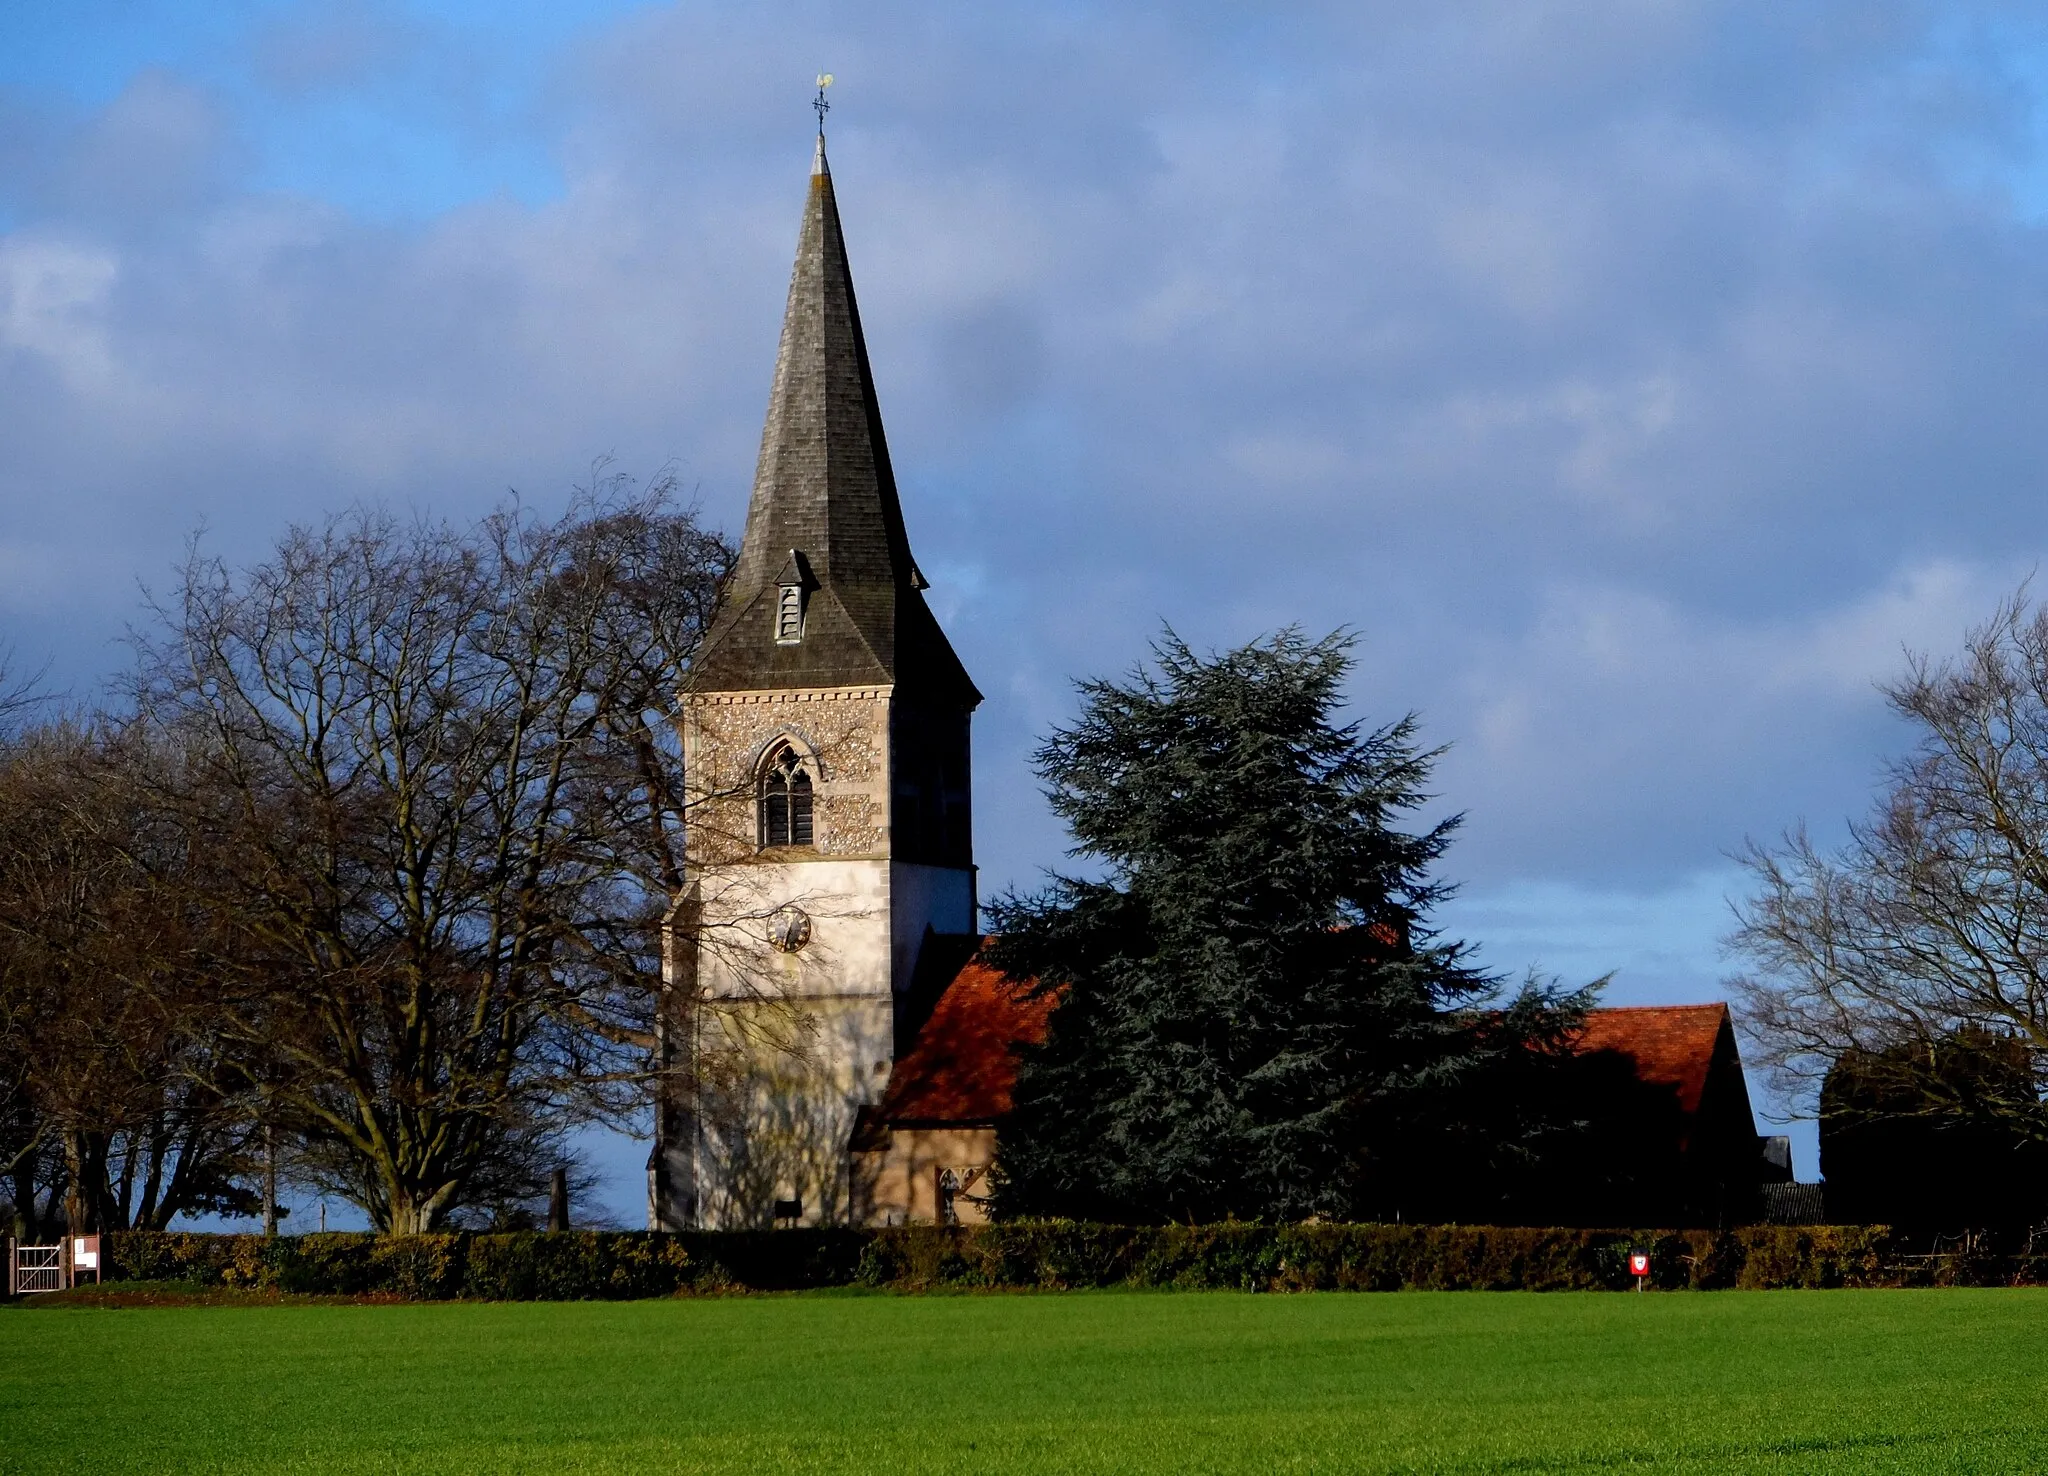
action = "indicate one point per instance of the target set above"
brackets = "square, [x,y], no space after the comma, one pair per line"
[432,777]
[1930,925]
[123,1104]
[17,693]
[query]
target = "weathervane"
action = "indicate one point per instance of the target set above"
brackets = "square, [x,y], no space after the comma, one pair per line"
[819,103]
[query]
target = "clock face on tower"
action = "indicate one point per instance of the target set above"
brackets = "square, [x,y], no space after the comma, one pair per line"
[789,928]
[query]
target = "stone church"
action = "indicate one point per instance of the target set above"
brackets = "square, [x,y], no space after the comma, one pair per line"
[837,1052]
[825,740]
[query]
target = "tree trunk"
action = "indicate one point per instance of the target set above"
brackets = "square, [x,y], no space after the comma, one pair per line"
[270,1179]
[558,1201]
[120,1199]
[25,1222]
[85,1192]
[144,1217]
[419,1215]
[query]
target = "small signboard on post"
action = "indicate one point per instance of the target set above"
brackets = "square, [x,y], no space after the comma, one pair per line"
[1639,1267]
[85,1256]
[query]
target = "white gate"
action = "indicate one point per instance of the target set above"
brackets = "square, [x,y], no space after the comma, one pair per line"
[35,1268]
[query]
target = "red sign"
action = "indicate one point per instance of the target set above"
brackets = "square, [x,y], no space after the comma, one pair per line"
[1639,1263]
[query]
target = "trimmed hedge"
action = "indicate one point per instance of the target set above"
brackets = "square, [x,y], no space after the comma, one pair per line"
[1316,1257]
[525,1267]
[1052,1255]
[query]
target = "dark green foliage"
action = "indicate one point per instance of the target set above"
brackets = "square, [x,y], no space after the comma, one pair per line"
[1949,1136]
[524,1266]
[1255,1018]
[1052,1255]
[1057,1255]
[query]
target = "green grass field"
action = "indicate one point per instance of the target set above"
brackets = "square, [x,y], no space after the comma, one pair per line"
[1774,1381]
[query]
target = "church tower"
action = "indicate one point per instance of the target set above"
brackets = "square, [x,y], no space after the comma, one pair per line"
[825,741]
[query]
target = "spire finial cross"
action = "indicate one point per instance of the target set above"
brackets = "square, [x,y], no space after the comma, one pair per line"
[819,104]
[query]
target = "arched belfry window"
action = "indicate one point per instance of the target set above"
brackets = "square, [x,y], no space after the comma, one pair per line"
[785,800]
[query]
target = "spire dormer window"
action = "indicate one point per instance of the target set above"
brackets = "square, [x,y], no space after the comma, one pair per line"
[791,588]
[786,795]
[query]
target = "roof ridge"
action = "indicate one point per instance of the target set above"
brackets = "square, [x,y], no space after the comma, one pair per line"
[1721,1004]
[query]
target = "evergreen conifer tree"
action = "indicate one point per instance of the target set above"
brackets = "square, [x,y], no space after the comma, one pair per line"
[1255,1019]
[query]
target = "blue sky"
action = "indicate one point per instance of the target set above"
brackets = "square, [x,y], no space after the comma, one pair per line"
[1639,379]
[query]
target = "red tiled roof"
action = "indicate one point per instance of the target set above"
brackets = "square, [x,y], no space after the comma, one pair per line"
[962,1066]
[1672,1045]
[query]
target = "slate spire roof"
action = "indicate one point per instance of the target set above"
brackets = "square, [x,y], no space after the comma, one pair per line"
[825,504]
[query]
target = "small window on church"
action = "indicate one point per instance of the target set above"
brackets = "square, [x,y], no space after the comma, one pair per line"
[786,801]
[789,615]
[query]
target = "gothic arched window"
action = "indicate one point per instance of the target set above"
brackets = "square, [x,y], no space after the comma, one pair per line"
[785,800]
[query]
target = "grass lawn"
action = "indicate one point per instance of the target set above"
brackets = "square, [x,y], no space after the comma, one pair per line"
[1726,1381]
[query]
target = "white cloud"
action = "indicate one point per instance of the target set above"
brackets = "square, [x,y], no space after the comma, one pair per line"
[1620,732]
[1847,652]
[53,304]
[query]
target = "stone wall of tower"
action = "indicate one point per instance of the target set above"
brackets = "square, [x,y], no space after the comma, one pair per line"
[785,1047]
[844,731]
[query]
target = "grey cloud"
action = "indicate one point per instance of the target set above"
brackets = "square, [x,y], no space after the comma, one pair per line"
[1590,358]
[331,44]
[158,150]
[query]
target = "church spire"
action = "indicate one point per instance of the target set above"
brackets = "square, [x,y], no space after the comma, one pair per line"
[824,520]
